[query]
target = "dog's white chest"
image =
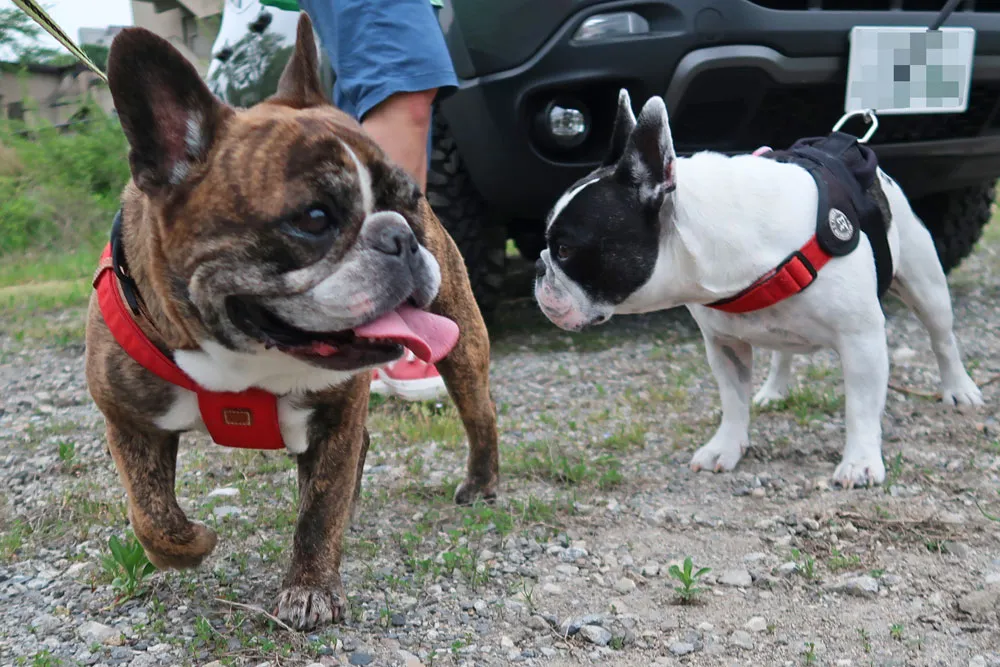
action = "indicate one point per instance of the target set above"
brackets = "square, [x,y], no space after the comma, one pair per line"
[293,420]
[779,327]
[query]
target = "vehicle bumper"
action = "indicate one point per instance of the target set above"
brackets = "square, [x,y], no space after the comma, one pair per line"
[735,76]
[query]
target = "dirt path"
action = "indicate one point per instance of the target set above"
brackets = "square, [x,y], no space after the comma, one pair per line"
[597,503]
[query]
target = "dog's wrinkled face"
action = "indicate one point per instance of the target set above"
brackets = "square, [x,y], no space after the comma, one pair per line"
[279,226]
[604,233]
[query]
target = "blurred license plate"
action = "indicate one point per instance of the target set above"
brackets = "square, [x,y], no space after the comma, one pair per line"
[896,70]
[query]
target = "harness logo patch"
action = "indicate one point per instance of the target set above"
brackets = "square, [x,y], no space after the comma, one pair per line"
[237,417]
[840,225]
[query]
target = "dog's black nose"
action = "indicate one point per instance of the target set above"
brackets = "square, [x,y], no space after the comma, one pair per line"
[396,240]
[539,268]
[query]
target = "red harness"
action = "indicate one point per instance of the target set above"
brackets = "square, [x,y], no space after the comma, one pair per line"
[789,278]
[795,273]
[246,419]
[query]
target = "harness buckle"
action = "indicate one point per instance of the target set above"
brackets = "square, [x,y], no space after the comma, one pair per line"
[870,118]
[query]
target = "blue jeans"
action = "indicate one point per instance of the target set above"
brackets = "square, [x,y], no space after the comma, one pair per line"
[381,47]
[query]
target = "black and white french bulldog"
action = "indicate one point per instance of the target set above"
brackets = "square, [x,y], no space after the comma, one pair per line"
[648,231]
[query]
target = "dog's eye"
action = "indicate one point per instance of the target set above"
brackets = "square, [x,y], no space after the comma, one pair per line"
[315,221]
[563,252]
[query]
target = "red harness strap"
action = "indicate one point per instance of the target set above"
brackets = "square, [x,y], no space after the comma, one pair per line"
[790,277]
[246,419]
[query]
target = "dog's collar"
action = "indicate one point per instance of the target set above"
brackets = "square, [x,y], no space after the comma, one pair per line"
[246,419]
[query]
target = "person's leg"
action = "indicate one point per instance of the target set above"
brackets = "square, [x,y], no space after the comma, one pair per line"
[401,126]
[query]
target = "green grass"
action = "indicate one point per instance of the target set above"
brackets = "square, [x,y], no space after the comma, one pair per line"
[808,404]
[58,192]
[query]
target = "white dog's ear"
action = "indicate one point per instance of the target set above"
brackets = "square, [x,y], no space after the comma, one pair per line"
[649,159]
[624,124]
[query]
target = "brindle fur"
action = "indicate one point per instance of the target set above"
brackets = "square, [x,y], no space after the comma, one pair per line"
[231,182]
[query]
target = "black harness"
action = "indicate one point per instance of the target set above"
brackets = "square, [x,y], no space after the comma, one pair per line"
[845,175]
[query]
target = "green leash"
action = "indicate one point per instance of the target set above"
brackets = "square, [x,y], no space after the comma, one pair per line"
[41,17]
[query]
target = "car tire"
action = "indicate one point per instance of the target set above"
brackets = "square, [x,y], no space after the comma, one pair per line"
[955,219]
[480,237]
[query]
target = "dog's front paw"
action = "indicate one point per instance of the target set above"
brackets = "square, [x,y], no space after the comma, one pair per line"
[860,471]
[962,392]
[181,550]
[718,456]
[471,489]
[307,607]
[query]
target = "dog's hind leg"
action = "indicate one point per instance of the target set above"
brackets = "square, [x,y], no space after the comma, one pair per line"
[466,369]
[775,388]
[732,365]
[864,358]
[921,284]
[147,464]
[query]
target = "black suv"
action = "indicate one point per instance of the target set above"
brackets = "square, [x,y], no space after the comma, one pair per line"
[540,80]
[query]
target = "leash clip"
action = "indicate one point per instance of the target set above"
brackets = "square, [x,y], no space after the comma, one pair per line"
[870,118]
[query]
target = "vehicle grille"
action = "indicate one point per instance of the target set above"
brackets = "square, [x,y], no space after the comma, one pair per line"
[787,114]
[740,111]
[878,5]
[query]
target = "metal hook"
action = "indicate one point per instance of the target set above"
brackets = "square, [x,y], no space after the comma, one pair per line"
[870,118]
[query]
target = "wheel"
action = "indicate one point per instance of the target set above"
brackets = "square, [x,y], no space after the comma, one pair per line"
[955,218]
[480,237]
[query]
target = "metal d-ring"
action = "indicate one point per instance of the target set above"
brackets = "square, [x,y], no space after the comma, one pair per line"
[870,118]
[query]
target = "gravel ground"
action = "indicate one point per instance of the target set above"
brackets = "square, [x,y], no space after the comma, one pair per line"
[571,566]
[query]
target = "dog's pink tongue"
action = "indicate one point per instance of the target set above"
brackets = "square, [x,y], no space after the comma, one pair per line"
[427,335]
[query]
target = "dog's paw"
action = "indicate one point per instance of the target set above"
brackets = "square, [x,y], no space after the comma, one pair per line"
[166,551]
[305,607]
[472,489]
[963,392]
[717,456]
[860,471]
[767,395]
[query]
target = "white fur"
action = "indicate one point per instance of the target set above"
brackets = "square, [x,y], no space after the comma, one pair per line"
[566,198]
[365,179]
[732,219]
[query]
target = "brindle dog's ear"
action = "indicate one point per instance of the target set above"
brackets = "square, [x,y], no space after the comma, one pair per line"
[168,114]
[300,85]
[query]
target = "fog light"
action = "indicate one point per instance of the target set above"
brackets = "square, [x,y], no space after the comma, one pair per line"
[610,26]
[566,124]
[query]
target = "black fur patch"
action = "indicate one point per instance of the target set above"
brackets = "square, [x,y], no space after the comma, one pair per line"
[613,239]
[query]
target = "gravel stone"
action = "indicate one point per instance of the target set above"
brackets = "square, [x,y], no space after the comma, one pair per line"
[737,577]
[741,639]
[863,586]
[595,634]
[681,648]
[98,633]
[756,624]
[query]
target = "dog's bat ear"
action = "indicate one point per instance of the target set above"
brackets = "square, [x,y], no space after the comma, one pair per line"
[624,124]
[649,157]
[299,85]
[167,113]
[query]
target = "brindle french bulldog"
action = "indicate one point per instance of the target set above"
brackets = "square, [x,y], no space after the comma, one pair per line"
[271,249]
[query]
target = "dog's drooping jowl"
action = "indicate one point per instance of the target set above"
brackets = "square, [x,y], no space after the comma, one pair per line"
[788,251]
[264,261]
